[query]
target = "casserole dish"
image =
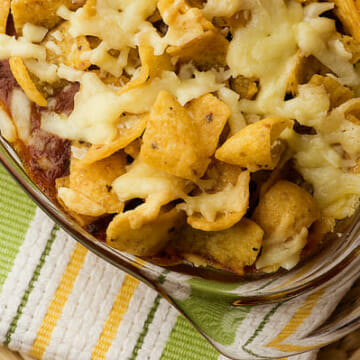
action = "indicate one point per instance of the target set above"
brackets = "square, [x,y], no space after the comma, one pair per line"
[231,132]
[335,268]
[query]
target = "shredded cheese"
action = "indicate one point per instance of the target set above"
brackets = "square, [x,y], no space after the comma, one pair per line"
[98,108]
[225,8]
[20,112]
[43,70]
[7,128]
[33,33]
[115,22]
[263,49]
[9,46]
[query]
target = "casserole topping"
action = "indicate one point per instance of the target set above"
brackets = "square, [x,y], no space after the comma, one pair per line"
[224,133]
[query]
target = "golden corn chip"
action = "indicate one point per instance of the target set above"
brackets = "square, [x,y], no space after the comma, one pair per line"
[130,128]
[229,24]
[209,116]
[170,139]
[350,110]
[39,12]
[83,220]
[155,64]
[303,68]
[90,7]
[23,78]
[151,67]
[338,93]
[199,40]
[79,203]
[170,11]
[247,88]
[146,212]
[64,49]
[219,210]
[207,50]
[62,182]
[230,249]
[155,17]
[228,175]
[133,149]
[281,171]
[218,176]
[95,181]
[147,240]
[256,146]
[292,210]
[352,46]
[222,221]
[108,79]
[349,16]
[4,14]
[296,73]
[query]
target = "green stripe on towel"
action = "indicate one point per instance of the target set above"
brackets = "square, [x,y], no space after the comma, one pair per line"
[145,330]
[31,285]
[16,213]
[258,330]
[149,319]
[186,343]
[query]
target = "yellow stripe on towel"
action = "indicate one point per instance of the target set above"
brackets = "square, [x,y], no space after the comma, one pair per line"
[290,328]
[58,302]
[115,317]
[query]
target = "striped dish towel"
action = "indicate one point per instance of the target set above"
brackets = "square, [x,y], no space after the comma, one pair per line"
[58,301]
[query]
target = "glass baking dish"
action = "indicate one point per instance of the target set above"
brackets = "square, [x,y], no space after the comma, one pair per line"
[215,302]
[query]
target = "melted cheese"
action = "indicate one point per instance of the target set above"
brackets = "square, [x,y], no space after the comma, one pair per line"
[226,8]
[266,49]
[43,70]
[101,57]
[323,167]
[9,46]
[7,128]
[154,186]
[115,22]
[20,112]
[283,254]
[68,73]
[231,99]
[318,37]
[263,49]
[33,33]
[234,198]
[143,181]
[98,108]
[310,107]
